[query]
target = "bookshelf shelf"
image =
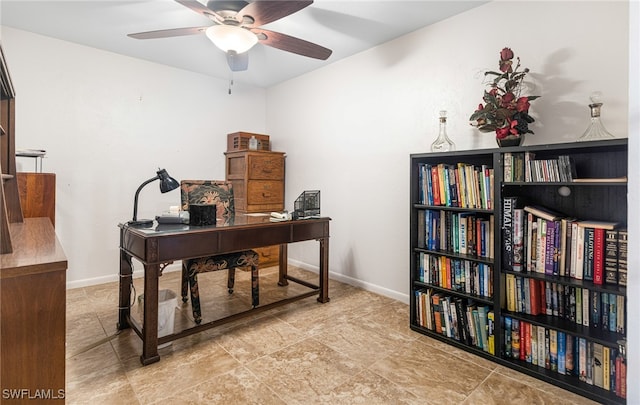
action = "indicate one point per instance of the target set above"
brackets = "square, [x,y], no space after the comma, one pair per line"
[596,191]
[477,298]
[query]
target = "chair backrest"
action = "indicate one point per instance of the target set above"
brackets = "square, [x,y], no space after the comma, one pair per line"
[216,192]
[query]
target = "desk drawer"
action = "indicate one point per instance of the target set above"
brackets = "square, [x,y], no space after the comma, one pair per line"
[265,192]
[265,167]
[269,256]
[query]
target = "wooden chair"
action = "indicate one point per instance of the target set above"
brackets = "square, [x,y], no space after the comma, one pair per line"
[219,193]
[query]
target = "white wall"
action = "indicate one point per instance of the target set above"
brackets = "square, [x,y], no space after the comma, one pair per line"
[349,128]
[107,123]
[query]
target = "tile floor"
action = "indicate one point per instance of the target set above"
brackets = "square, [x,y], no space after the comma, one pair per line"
[356,349]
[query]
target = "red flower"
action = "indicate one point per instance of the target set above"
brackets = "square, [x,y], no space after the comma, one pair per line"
[506,54]
[522,105]
[503,132]
[507,99]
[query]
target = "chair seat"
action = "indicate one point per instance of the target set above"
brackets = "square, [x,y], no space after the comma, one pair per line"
[226,261]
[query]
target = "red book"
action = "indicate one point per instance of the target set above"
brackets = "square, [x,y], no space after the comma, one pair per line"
[598,256]
[435,185]
[534,296]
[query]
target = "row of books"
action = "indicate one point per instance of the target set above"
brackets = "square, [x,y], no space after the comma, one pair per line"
[456,274]
[456,318]
[456,185]
[599,310]
[536,239]
[456,232]
[592,362]
[522,166]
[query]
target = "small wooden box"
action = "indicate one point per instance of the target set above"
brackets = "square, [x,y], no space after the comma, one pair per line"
[240,141]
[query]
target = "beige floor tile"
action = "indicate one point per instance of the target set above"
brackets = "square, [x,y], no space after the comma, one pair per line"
[357,348]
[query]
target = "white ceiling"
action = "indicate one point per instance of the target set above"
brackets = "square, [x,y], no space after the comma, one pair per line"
[346,27]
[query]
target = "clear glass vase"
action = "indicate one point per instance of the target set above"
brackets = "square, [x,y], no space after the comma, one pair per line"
[596,130]
[443,143]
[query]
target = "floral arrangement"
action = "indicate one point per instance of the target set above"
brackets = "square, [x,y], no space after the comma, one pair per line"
[505,109]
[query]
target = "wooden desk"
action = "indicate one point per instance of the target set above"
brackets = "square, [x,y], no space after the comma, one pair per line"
[156,246]
[32,314]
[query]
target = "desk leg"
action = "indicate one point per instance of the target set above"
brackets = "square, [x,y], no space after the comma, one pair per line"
[124,302]
[324,270]
[150,323]
[282,264]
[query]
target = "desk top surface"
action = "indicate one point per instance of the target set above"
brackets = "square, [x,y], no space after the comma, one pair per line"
[240,221]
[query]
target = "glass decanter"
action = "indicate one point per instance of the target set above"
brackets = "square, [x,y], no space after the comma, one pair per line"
[443,143]
[596,131]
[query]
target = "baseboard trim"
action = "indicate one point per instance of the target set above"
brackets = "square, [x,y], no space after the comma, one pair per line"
[335,276]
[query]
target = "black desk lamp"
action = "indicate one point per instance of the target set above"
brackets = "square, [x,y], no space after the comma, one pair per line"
[167,183]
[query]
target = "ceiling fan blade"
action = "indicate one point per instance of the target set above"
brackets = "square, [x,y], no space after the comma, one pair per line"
[238,61]
[174,32]
[291,44]
[201,9]
[264,12]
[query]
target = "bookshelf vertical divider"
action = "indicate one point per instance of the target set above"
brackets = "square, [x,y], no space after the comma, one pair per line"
[479,292]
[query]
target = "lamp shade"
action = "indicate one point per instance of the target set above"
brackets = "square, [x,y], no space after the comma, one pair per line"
[231,38]
[167,183]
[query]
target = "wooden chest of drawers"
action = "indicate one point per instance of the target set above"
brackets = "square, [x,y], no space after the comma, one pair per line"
[258,180]
[258,186]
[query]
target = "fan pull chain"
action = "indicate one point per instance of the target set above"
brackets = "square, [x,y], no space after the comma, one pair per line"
[230,82]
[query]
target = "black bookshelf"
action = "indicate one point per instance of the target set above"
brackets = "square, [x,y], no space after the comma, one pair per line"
[600,193]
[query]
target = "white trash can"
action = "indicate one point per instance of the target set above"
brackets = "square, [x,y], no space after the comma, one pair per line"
[167,304]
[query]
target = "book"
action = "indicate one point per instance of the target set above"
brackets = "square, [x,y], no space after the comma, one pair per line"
[507,167]
[579,267]
[491,332]
[598,256]
[515,338]
[588,254]
[607,225]
[550,248]
[507,336]
[533,333]
[509,205]
[622,256]
[598,372]
[543,212]
[541,345]
[606,368]
[518,239]
[569,353]
[562,353]
[611,257]
[582,359]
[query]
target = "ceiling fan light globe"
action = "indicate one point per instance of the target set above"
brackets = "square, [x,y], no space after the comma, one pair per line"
[231,38]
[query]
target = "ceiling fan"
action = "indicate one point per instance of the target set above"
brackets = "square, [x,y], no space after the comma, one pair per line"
[237,25]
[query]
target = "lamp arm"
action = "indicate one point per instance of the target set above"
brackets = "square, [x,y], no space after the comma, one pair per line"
[135,200]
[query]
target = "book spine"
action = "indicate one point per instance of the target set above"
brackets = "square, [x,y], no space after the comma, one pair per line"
[588,254]
[508,207]
[518,239]
[598,256]
[562,353]
[611,257]
[622,256]
[549,247]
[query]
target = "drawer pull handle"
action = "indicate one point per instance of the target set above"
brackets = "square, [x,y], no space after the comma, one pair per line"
[266,195]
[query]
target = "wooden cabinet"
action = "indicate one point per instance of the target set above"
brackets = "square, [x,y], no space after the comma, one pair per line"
[32,313]
[258,186]
[541,318]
